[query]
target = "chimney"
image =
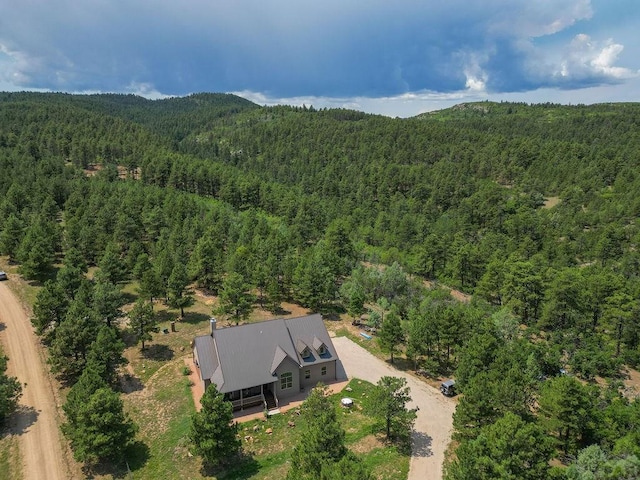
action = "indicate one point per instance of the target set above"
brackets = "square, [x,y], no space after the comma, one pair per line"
[212,323]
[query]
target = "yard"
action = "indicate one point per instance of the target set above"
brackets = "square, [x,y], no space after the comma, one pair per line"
[163,407]
[156,394]
[158,398]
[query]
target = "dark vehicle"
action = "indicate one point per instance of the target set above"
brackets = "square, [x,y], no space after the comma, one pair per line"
[3,275]
[448,388]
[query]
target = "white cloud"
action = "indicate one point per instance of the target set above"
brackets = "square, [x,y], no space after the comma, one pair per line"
[476,76]
[586,57]
[530,19]
[13,66]
[604,61]
[146,90]
[405,105]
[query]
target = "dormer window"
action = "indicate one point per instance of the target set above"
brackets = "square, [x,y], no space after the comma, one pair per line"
[319,346]
[306,353]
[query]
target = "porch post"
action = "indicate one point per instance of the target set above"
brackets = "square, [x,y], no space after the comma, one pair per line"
[275,389]
[241,401]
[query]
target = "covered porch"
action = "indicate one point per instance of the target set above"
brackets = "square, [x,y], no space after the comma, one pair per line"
[259,396]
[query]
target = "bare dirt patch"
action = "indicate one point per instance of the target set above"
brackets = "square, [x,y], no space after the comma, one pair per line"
[208,301]
[366,444]
[551,202]
[632,384]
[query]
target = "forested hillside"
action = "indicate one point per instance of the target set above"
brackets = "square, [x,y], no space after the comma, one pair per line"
[531,209]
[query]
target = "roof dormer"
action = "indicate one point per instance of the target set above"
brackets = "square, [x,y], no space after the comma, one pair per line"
[319,346]
[303,349]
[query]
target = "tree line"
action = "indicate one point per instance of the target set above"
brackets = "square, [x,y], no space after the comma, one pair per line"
[516,204]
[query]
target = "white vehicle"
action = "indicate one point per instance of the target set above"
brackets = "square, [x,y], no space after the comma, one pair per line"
[3,275]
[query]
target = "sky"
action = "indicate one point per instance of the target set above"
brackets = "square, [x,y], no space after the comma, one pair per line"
[396,58]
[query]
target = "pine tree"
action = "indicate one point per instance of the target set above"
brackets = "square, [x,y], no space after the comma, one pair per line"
[321,438]
[508,449]
[388,403]
[10,391]
[151,286]
[37,250]
[213,432]
[567,410]
[106,352]
[391,334]
[107,302]
[88,383]
[143,321]
[50,308]
[180,296]
[111,266]
[73,338]
[348,467]
[11,236]
[235,300]
[101,430]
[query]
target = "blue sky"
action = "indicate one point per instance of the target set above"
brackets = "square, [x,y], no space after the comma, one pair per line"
[396,58]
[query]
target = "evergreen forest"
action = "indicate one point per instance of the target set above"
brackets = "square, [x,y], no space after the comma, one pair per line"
[529,212]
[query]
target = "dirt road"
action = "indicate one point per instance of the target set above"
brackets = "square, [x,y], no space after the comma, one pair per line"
[36,422]
[433,427]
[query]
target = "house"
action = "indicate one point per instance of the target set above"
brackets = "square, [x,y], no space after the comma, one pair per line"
[266,362]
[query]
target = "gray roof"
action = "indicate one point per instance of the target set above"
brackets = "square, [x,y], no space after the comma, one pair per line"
[207,357]
[248,355]
[278,357]
[311,331]
[317,343]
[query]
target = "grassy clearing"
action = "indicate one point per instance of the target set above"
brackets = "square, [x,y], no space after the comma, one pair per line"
[9,458]
[25,291]
[163,409]
[551,202]
[400,362]
[158,399]
[270,453]
[371,345]
[165,347]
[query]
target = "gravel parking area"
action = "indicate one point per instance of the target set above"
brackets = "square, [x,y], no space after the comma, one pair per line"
[433,427]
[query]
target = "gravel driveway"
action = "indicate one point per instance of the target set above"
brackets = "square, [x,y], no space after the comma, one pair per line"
[433,427]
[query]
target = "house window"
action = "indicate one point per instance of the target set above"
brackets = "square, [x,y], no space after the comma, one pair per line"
[322,350]
[307,374]
[286,380]
[323,371]
[306,353]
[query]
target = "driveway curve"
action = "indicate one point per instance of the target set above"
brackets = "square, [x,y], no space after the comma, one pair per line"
[36,421]
[434,422]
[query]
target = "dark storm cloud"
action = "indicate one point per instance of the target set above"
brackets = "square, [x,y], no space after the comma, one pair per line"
[292,48]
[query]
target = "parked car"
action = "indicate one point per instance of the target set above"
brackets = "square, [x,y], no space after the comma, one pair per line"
[448,388]
[3,275]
